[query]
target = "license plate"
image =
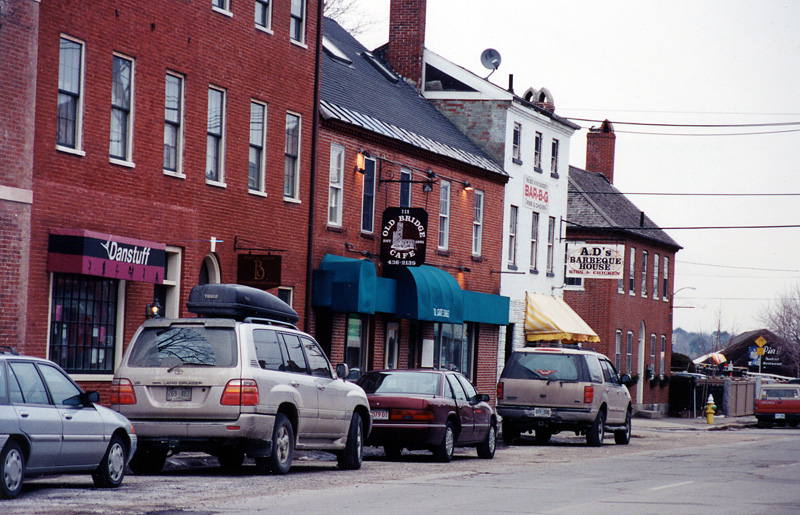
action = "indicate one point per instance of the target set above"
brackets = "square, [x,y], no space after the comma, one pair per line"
[179,393]
[538,412]
[780,415]
[380,414]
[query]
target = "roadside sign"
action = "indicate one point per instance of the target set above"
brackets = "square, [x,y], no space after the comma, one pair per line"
[760,351]
[761,341]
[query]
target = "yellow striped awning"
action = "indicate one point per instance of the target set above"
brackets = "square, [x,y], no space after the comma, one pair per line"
[549,318]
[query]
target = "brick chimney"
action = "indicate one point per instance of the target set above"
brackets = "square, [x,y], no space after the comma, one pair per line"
[407,38]
[600,150]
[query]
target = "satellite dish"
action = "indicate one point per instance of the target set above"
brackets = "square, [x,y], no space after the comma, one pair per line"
[490,58]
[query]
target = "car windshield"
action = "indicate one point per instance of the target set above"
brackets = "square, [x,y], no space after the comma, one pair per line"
[420,383]
[184,346]
[541,365]
[779,393]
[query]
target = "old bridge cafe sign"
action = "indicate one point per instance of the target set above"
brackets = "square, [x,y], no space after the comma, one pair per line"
[594,261]
[403,236]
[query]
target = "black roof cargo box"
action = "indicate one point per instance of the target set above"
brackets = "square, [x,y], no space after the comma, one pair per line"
[238,302]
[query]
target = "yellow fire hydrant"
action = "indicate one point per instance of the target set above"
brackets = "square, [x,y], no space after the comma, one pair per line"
[710,409]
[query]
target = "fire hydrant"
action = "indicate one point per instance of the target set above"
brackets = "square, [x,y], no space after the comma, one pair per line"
[710,409]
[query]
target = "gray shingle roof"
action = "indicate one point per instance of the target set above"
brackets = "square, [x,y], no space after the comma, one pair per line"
[359,94]
[595,204]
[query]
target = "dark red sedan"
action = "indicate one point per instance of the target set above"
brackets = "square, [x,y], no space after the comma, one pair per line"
[428,409]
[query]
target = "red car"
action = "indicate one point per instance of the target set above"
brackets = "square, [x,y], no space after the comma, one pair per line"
[428,409]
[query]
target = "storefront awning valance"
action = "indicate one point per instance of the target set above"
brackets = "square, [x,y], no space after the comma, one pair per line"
[428,293]
[345,284]
[549,318]
[485,308]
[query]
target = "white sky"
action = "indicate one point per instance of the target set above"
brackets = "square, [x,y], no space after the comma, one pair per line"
[684,62]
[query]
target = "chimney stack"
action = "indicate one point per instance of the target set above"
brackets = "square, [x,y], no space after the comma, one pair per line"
[407,38]
[600,145]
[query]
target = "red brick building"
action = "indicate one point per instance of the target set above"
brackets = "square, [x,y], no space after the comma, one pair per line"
[171,139]
[632,315]
[383,146]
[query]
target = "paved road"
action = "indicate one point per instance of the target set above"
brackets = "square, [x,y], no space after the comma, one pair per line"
[667,468]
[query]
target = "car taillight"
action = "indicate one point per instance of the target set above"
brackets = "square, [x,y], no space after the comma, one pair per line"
[588,394]
[500,390]
[240,392]
[412,415]
[122,392]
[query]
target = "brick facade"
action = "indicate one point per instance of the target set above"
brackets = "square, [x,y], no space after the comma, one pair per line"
[407,38]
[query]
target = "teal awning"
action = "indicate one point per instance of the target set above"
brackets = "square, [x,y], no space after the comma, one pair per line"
[345,284]
[485,308]
[428,293]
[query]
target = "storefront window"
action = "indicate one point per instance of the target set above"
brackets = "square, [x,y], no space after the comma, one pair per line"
[355,350]
[453,346]
[83,324]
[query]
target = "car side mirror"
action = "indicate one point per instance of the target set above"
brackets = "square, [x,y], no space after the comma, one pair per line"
[481,397]
[625,379]
[342,371]
[91,397]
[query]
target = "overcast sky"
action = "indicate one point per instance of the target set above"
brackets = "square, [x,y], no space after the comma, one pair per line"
[679,62]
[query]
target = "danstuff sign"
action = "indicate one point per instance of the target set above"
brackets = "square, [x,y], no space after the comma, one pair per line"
[593,261]
[403,236]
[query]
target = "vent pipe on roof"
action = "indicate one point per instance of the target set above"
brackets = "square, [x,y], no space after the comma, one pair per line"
[641,218]
[511,83]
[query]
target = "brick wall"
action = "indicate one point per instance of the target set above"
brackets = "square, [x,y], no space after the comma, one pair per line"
[600,148]
[407,38]
[483,121]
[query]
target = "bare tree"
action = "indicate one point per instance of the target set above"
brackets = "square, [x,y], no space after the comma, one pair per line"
[347,14]
[782,316]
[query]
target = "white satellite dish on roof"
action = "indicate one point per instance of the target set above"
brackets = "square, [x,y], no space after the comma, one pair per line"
[490,58]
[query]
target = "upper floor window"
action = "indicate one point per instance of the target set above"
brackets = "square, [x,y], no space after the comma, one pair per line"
[513,214]
[335,185]
[653,353]
[537,152]
[70,94]
[444,215]
[629,352]
[665,291]
[663,354]
[551,242]
[405,187]
[477,224]
[368,198]
[516,143]
[655,276]
[632,272]
[215,134]
[264,14]
[222,5]
[121,109]
[258,140]
[644,273]
[297,28]
[554,159]
[173,124]
[291,157]
[617,349]
[534,240]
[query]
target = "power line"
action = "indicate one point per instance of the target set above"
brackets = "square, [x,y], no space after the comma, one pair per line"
[691,125]
[687,228]
[677,194]
[706,134]
[739,267]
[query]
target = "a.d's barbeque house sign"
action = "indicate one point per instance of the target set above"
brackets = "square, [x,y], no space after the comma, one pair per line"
[403,236]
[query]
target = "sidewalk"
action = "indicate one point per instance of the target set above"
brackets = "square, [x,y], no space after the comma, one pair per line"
[721,423]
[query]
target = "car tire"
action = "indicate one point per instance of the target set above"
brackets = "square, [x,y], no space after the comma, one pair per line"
[543,436]
[280,461]
[147,460]
[111,471]
[793,423]
[596,432]
[444,451]
[12,470]
[353,454]
[510,432]
[487,447]
[623,436]
[231,461]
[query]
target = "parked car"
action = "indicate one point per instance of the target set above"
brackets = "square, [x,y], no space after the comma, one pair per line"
[549,390]
[778,404]
[49,425]
[428,409]
[233,384]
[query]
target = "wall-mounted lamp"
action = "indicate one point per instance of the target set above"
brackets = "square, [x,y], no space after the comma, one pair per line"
[427,186]
[468,186]
[431,174]
[361,158]
[153,310]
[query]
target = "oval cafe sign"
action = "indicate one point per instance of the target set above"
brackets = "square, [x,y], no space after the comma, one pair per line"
[403,236]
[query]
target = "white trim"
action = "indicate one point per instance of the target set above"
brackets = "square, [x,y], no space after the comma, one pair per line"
[262,166]
[444,215]
[223,130]
[79,109]
[181,139]
[68,150]
[339,150]
[364,195]
[23,196]
[268,28]
[121,162]
[173,282]
[128,160]
[296,196]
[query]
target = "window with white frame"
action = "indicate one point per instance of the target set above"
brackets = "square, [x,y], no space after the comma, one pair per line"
[534,241]
[70,94]
[121,134]
[168,292]
[644,273]
[263,14]
[554,158]
[215,136]
[655,276]
[258,141]
[405,187]
[173,124]
[621,280]
[297,28]
[665,291]
[368,197]
[221,5]
[663,354]
[286,294]
[572,283]
[629,352]
[516,143]
[537,152]
[291,166]
[632,272]
[617,349]
[335,185]
[551,242]
[653,353]
[512,235]
[444,215]
[477,224]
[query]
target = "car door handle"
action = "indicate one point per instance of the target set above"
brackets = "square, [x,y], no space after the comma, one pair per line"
[295,383]
[68,417]
[320,387]
[23,414]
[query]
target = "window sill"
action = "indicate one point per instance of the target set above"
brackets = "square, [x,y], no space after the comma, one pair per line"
[265,30]
[257,193]
[512,267]
[216,184]
[367,235]
[443,252]
[73,151]
[550,274]
[477,259]
[516,161]
[534,271]
[554,175]
[177,175]
[538,169]
[223,12]
[290,200]
[298,43]
[121,162]
[335,228]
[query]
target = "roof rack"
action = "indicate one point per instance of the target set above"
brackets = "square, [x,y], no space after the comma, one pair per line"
[8,349]
[269,321]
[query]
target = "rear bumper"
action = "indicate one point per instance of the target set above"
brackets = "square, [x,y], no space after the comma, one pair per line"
[406,435]
[778,417]
[560,418]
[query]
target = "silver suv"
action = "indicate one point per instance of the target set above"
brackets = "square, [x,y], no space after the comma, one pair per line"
[233,385]
[549,390]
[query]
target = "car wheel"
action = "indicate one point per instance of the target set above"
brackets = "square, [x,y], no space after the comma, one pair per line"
[444,451]
[510,432]
[487,447]
[112,469]
[353,454]
[623,436]
[280,461]
[543,436]
[793,423]
[231,461]
[393,452]
[12,470]
[148,460]
[596,432]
